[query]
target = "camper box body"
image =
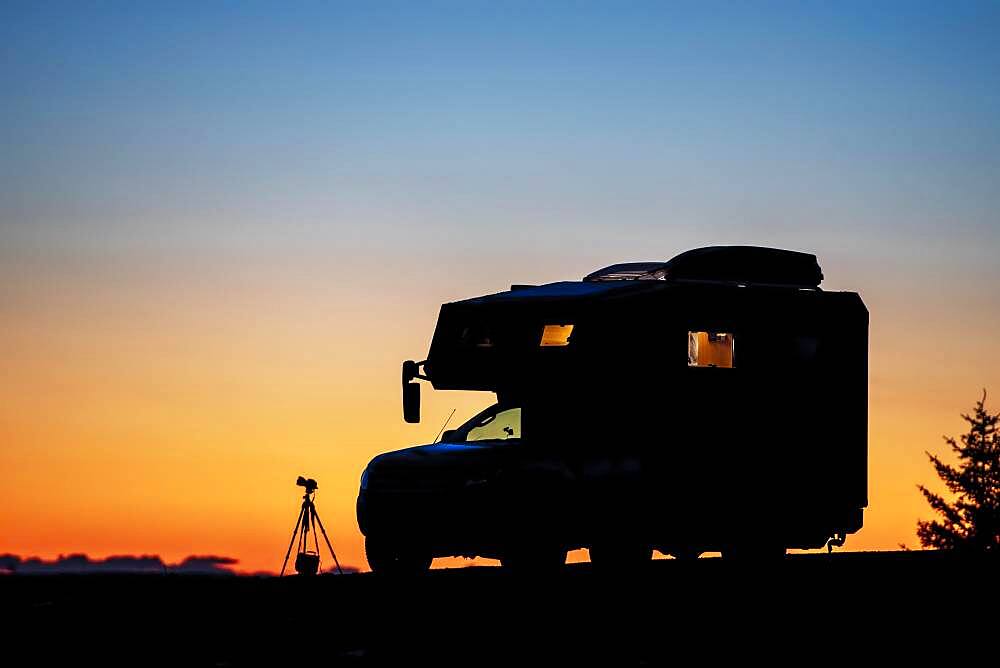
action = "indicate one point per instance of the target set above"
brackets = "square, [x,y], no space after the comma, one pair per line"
[764,436]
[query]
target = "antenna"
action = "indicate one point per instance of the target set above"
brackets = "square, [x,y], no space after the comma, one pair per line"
[441,430]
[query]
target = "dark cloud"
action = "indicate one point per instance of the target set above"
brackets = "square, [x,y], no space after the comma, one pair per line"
[205,564]
[343,567]
[81,563]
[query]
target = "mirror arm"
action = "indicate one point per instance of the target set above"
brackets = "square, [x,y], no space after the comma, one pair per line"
[411,370]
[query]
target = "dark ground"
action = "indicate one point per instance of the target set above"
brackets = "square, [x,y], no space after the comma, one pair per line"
[807,608]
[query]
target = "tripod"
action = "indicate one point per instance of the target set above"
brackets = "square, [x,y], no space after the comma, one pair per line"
[306,562]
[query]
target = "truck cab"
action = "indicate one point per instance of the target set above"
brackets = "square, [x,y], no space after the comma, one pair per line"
[713,402]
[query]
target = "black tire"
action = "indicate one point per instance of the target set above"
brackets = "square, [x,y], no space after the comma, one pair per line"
[395,559]
[685,554]
[620,556]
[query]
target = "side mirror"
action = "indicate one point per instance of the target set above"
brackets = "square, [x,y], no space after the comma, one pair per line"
[411,402]
[448,435]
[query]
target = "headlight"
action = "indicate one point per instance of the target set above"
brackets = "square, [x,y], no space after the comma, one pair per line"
[364,480]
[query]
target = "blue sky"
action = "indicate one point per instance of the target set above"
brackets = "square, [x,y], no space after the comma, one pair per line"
[144,122]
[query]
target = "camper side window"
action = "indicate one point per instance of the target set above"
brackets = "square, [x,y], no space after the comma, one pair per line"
[715,349]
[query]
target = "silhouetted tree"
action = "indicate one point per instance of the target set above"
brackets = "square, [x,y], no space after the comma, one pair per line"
[972,521]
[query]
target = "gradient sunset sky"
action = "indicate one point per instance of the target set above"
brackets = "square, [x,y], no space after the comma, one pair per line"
[223,227]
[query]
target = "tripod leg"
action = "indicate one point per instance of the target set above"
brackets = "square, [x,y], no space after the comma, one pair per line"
[295,531]
[312,519]
[304,536]
[327,539]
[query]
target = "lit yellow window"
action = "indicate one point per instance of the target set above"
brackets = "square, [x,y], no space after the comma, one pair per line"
[556,335]
[711,349]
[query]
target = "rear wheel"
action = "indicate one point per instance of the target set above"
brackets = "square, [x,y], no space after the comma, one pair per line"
[685,554]
[395,558]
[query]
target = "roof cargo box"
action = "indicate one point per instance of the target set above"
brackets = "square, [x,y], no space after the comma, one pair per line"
[728,264]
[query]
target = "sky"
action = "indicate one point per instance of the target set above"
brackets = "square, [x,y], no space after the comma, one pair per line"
[223,226]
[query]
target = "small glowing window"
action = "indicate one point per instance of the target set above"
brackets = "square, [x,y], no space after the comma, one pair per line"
[556,335]
[711,349]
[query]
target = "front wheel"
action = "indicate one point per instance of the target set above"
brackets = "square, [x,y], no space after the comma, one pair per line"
[396,559]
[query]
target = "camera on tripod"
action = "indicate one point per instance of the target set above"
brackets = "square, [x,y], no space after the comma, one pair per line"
[306,559]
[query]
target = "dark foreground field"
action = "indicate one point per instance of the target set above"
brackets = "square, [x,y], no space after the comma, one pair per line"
[807,608]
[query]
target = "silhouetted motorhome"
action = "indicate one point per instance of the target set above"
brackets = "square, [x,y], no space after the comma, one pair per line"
[714,402]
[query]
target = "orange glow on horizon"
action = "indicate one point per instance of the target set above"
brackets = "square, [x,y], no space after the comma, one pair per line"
[148,416]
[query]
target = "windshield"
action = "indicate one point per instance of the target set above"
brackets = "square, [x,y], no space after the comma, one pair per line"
[496,423]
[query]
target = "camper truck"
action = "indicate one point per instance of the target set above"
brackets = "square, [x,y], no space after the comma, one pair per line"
[715,402]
